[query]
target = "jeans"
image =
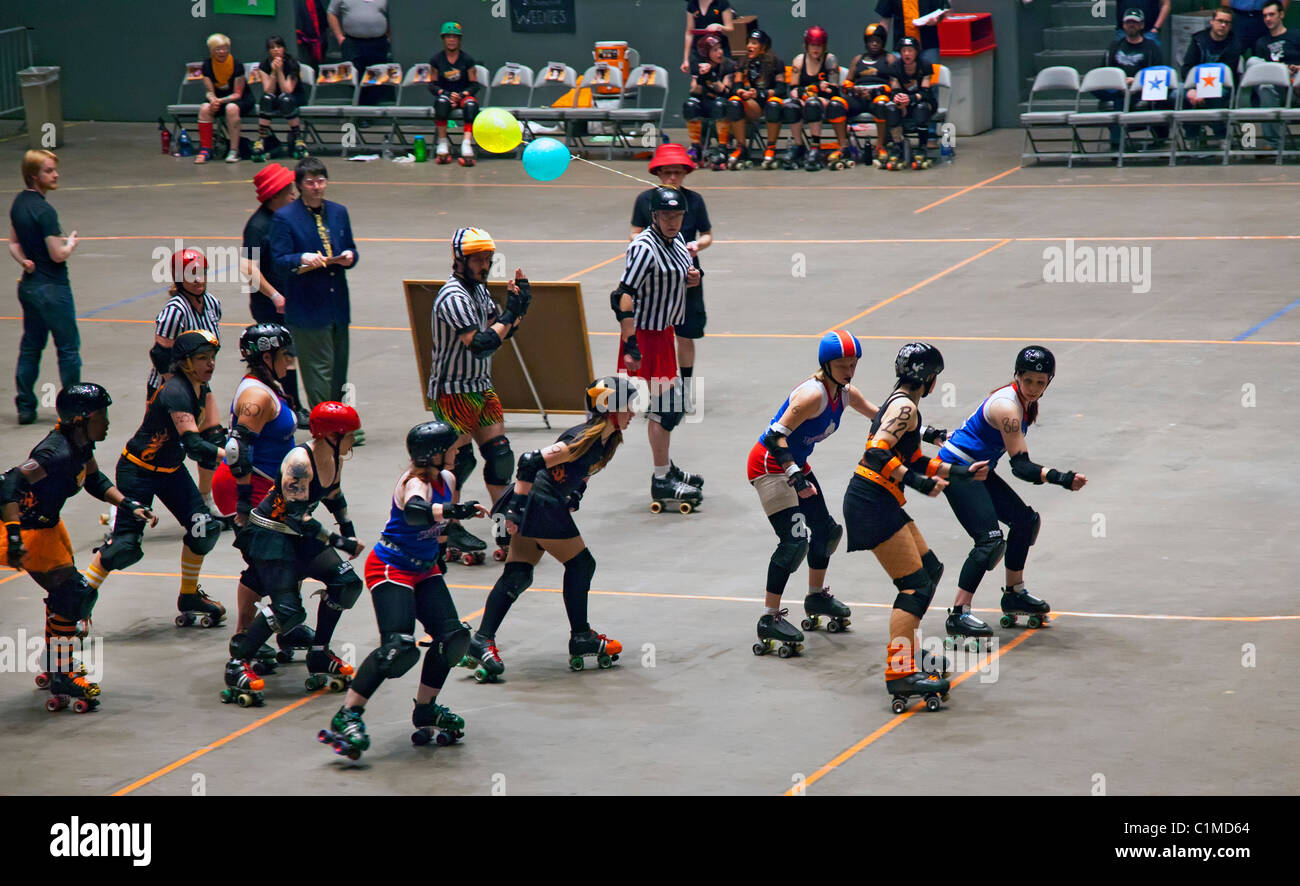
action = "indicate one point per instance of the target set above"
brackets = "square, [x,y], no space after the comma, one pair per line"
[48,309]
[322,361]
[363,52]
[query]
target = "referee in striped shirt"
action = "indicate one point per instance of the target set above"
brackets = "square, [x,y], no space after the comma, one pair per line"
[468,327]
[649,301]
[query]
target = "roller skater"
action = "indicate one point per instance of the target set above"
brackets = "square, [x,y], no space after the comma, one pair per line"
[999,426]
[759,88]
[966,629]
[877,522]
[816,96]
[867,88]
[180,421]
[284,543]
[673,494]
[538,515]
[792,497]
[32,496]
[912,89]
[711,85]
[404,573]
[455,86]
[283,93]
[227,95]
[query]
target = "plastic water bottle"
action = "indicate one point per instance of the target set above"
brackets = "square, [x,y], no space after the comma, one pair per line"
[388,148]
[421,149]
[945,152]
[183,146]
[165,136]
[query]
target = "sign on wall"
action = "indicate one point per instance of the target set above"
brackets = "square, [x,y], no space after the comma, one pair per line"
[244,7]
[542,16]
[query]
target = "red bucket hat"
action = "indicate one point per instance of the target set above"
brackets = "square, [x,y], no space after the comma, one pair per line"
[670,155]
[271,180]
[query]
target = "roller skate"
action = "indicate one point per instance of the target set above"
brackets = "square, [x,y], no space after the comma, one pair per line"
[484,658]
[694,153]
[264,661]
[774,629]
[243,686]
[72,688]
[435,723]
[443,156]
[961,623]
[1015,603]
[676,473]
[769,160]
[815,162]
[299,148]
[466,157]
[346,733]
[739,158]
[718,159]
[793,157]
[839,159]
[932,688]
[259,150]
[301,637]
[199,605]
[932,661]
[588,642]
[920,159]
[75,669]
[665,491]
[324,668]
[822,603]
[461,545]
[889,157]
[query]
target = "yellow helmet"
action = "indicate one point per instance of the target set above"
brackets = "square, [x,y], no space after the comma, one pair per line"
[468,241]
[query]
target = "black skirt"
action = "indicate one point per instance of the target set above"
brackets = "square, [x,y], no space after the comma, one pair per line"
[546,518]
[871,514]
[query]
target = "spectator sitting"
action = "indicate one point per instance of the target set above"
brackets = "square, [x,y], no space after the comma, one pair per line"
[1217,43]
[454,84]
[282,95]
[1278,45]
[1133,52]
[228,94]
[1154,13]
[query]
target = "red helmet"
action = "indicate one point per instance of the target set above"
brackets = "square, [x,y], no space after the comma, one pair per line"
[815,36]
[189,265]
[332,417]
[707,44]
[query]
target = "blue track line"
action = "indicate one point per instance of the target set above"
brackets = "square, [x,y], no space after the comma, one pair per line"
[125,301]
[1258,326]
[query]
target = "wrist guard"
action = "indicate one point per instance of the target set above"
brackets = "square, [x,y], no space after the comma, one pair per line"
[463,511]
[1025,469]
[630,348]
[1064,479]
[934,435]
[919,482]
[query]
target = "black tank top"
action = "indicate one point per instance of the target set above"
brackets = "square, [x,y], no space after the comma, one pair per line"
[907,444]
[558,482]
[273,506]
[817,77]
[871,71]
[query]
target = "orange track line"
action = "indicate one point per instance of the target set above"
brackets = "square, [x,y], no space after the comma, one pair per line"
[943,200]
[592,268]
[916,286]
[845,755]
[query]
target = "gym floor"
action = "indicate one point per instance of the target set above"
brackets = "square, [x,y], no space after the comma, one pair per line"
[1168,574]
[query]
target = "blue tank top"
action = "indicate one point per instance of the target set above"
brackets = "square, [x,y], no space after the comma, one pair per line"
[815,429]
[413,548]
[274,441]
[977,439]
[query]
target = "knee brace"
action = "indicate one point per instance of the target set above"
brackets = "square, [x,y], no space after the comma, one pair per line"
[121,551]
[266,105]
[396,655]
[498,461]
[692,108]
[812,111]
[463,469]
[987,554]
[287,105]
[469,107]
[516,578]
[202,534]
[344,588]
[772,110]
[838,110]
[735,109]
[73,599]
[790,111]
[917,602]
[933,567]
[580,568]
[825,539]
[442,109]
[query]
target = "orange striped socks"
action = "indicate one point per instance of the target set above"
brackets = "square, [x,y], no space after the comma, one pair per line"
[191,563]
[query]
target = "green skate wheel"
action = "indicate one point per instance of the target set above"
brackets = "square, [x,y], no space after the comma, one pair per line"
[1035,621]
[313,683]
[973,645]
[948,643]
[575,663]
[604,661]
[480,675]
[1007,621]
[226,697]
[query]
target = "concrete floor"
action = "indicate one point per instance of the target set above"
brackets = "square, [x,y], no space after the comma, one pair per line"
[1141,682]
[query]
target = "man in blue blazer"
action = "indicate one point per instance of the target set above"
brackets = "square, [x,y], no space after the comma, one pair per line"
[312,245]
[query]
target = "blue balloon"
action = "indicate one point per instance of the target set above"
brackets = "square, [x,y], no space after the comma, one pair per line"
[545,159]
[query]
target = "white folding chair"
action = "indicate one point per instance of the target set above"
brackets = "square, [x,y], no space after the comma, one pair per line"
[1107,79]
[1057,79]
[1149,118]
[1273,75]
[1214,74]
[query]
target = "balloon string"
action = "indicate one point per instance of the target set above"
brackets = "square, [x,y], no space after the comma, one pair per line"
[615,171]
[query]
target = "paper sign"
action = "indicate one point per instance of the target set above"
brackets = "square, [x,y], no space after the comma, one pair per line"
[1155,86]
[1208,82]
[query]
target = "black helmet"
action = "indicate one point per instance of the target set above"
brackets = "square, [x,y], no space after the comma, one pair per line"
[876,31]
[426,440]
[81,400]
[761,36]
[907,41]
[193,341]
[1036,358]
[613,393]
[917,363]
[667,200]
[263,338]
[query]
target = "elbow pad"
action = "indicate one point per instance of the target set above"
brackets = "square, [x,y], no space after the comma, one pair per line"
[1025,469]
[485,342]
[161,357]
[417,512]
[239,451]
[771,442]
[203,452]
[616,296]
[881,459]
[529,464]
[99,485]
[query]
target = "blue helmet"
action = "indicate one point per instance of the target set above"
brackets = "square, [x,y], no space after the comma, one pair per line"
[836,344]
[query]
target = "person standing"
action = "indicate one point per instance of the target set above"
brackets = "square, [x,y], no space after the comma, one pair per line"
[312,245]
[37,244]
[311,26]
[361,29]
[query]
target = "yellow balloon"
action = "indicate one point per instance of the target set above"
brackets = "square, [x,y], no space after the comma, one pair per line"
[496,130]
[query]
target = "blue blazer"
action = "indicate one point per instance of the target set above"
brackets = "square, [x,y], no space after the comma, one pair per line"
[313,298]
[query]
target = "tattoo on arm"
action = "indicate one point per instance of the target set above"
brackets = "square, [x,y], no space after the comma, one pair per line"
[297,479]
[249,410]
[898,424]
[1010,426]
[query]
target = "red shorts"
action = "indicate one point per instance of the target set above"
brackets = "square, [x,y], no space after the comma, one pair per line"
[761,462]
[378,572]
[225,493]
[658,354]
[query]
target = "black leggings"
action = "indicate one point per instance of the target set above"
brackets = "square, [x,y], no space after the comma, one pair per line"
[980,507]
[396,609]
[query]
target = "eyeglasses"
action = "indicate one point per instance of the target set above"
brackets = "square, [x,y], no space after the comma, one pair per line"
[315,182]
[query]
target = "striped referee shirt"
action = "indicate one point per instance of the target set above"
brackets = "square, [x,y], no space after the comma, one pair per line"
[177,316]
[656,269]
[457,310]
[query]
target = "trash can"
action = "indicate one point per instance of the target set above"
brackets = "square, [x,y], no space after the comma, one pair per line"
[43,104]
[966,48]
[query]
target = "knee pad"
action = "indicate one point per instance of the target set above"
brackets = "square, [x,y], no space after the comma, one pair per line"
[917,602]
[812,111]
[344,588]
[791,112]
[825,539]
[1034,523]
[581,567]
[498,461]
[516,578]
[287,105]
[469,108]
[285,612]
[202,534]
[297,637]
[442,109]
[668,407]
[121,552]
[692,108]
[772,110]
[735,109]
[452,642]
[838,110]
[396,655]
[988,553]
[266,105]
[669,420]
[242,648]
[932,566]
[73,599]
[463,469]
[789,553]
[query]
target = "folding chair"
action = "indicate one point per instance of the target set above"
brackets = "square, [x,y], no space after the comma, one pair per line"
[1198,78]
[333,90]
[1150,118]
[384,74]
[1289,116]
[1056,79]
[645,117]
[1106,79]
[551,83]
[413,112]
[599,74]
[513,84]
[186,107]
[1257,76]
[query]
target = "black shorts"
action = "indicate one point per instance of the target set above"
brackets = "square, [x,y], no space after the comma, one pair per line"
[693,325]
[871,514]
[544,518]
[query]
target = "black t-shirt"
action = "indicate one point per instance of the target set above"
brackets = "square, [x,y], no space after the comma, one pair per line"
[218,89]
[1284,48]
[449,77]
[711,81]
[558,482]
[65,474]
[1133,57]
[912,82]
[872,71]
[257,235]
[34,219]
[900,21]
[157,443]
[695,222]
[1204,50]
[289,68]
[712,17]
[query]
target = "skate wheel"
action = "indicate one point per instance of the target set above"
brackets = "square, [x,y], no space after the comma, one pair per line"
[1035,621]
[419,738]
[499,554]
[899,705]
[42,681]
[852,163]
[324,736]
[604,661]
[443,739]
[686,507]
[284,657]
[759,649]
[972,645]
[1007,621]
[784,652]
[575,663]
[53,703]
[932,703]
[467,559]
[655,507]
[184,621]
[311,684]
[206,621]
[337,685]
[81,706]
[245,699]
[833,626]
[480,676]
[808,624]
